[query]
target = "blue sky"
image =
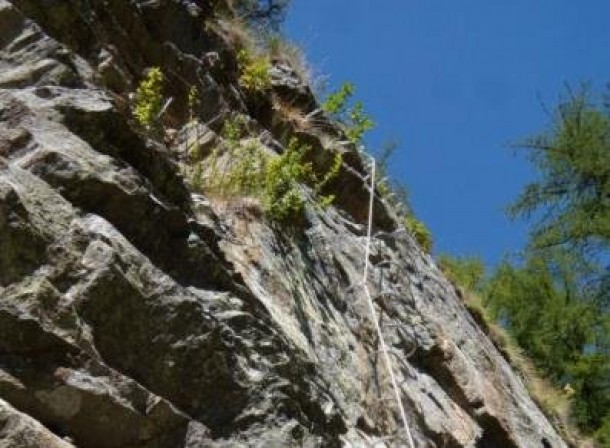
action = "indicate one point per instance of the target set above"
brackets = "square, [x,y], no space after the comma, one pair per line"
[456,82]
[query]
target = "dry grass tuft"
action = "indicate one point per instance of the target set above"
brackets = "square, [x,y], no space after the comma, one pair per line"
[236,33]
[291,114]
[281,50]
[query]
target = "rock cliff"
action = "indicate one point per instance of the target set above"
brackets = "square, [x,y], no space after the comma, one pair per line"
[135,312]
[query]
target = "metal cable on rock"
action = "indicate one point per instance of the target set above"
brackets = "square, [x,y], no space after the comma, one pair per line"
[384,349]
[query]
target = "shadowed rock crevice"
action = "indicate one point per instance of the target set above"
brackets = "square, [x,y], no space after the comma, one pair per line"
[494,435]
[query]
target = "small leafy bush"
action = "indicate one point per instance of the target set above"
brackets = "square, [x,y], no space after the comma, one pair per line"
[246,176]
[149,98]
[254,71]
[234,129]
[285,174]
[331,174]
[336,103]
[356,122]
[420,232]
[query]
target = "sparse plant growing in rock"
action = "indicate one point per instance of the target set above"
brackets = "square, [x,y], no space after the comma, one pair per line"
[235,30]
[219,180]
[149,98]
[389,189]
[194,151]
[193,102]
[234,129]
[291,114]
[254,71]
[331,174]
[246,175]
[236,168]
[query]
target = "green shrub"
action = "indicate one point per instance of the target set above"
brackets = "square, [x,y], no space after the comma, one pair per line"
[356,122]
[247,172]
[420,232]
[285,173]
[254,71]
[233,130]
[327,200]
[336,103]
[149,98]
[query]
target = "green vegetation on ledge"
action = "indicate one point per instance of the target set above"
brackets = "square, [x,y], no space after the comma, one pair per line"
[242,167]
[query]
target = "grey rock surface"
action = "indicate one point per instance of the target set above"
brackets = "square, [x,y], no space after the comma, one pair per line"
[20,430]
[135,313]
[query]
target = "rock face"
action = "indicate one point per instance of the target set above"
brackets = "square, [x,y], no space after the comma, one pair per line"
[135,313]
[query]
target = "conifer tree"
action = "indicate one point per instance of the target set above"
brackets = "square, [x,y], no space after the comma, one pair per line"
[558,304]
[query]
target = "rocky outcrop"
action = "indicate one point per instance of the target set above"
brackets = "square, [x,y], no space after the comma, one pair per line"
[136,313]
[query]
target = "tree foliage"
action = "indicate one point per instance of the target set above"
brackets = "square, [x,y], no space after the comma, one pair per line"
[545,311]
[573,192]
[557,303]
